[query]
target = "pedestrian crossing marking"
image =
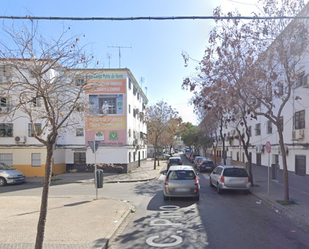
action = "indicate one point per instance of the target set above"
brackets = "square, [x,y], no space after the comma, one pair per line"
[206,176]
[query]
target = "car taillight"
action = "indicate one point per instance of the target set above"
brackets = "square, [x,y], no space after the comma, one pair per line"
[222,179]
[166,181]
[196,181]
[249,180]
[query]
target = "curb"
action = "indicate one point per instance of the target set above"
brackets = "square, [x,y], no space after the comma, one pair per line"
[284,211]
[112,234]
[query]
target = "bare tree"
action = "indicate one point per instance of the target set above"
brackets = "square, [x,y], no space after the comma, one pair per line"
[44,90]
[158,118]
[258,61]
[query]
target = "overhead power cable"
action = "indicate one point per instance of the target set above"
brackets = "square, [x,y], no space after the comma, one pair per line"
[151,18]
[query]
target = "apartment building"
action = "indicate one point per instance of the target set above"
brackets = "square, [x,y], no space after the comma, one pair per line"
[112,115]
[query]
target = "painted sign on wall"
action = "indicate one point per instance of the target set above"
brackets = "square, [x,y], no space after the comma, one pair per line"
[106,113]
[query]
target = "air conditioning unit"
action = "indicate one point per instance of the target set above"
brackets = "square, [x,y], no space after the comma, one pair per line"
[298,134]
[20,139]
[259,149]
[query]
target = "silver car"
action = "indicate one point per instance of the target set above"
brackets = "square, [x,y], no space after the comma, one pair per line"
[181,181]
[10,175]
[230,177]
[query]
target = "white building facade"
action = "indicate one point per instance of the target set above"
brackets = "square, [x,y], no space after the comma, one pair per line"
[113,116]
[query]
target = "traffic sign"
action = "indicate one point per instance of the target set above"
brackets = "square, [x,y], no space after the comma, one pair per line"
[94,146]
[268,147]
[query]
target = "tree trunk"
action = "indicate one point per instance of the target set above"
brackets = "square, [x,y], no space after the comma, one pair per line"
[44,200]
[285,169]
[249,165]
[155,158]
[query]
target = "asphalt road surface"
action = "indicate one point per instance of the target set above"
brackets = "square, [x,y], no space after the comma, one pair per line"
[231,220]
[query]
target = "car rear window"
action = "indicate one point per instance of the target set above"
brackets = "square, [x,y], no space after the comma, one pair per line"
[174,160]
[181,175]
[235,172]
[208,163]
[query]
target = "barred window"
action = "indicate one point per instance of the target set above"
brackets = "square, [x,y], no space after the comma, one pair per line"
[36,160]
[38,129]
[6,130]
[299,120]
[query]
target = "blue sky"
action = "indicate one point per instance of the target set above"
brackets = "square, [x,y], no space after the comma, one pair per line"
[156,46]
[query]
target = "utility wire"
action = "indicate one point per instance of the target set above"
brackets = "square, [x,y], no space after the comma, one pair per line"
[151,18]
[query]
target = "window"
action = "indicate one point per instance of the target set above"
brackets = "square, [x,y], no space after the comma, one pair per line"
[129,157]
[258,129]
[300,80]
[6,158]
[79,82]
[130,84]
[281,122]
[79,158]
[36,102]
[250,131]
[36,160]
[38,129]
[6,130]
[129,108]
[3,105]
[137,96]
[129,132]
[300,165]
[134,90]
[79,132]
[134,113]
[80,108]
[269,129]
[299,120]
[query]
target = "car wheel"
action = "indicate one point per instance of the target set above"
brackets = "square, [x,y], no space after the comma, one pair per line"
[246,192]
[2,181]
[219,190]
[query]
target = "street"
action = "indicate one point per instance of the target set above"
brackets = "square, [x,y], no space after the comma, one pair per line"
[231,220]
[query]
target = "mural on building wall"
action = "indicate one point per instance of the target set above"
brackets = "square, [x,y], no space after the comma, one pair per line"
[106,119]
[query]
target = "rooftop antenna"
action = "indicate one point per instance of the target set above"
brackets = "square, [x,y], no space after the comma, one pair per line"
[119,47]
[146,90]
[108,56]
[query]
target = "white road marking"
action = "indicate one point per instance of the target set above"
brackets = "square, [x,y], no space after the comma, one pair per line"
[206,176]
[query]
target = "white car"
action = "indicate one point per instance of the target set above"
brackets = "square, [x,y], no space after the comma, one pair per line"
[230,177]
[10,175]
[181,181]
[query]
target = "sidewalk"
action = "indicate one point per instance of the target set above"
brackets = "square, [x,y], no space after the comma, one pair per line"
[298,213]
[72,222]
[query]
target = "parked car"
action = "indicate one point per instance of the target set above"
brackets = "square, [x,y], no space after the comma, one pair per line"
[192,157]
[197,160]
[10,175]
[230,177]
[181,181]
[206,165]
[174,161]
